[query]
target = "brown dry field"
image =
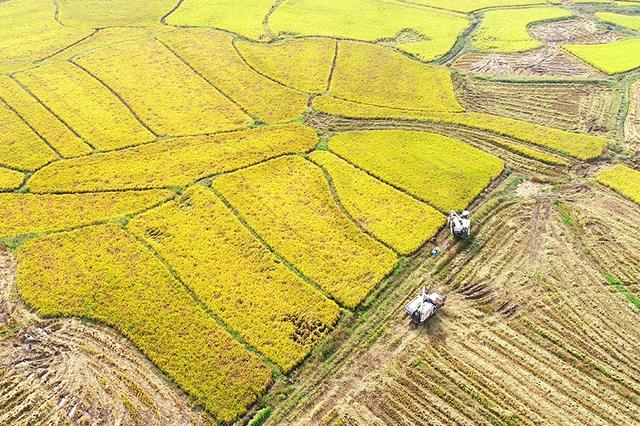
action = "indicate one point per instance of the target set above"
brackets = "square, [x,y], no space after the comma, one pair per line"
[532,333]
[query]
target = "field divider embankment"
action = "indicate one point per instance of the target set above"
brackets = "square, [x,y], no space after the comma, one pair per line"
[234,334]
[117,95]
[45,106]
[339,203]
[206,80]
[262,241]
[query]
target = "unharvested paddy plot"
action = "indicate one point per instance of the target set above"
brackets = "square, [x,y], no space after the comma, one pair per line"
[215,212]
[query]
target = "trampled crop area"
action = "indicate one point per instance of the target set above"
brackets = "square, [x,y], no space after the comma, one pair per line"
[214,212]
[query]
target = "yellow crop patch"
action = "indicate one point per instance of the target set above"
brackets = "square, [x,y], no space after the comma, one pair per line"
[29,32]
[10,179]
[506,30]
[306,226]
[166,94]
[212,54]
[173,163]
[628,21]
[97,14]
[470,6]
[530,152]
[31,213]
[85,105]
[242,17]
[20,147]
[611,58]
[576,145]
[46,124]
[622,179]
[394,217]
[103,274]
[303,63]
[379,76]
[426,33]
[440,170]
[237,277]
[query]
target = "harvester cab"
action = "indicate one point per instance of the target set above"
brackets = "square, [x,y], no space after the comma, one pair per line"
[459,224]
[424,306]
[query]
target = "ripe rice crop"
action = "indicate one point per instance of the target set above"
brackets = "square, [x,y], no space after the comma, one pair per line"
[392,79]
[468,6]
[304,63]
[237,16]
[10,179]
[30,213]
[29,32]
[434,32]
[306,226]
[20,147]
[627,21]
[611,58]
[85,105]
[212,54]
[103,274]
[95,14]
[399,220]
[622,179]
[576,145]
[506,30]
[173,163]
[530,152]
[144,73]
[445,172]
[45,123]
[237,277]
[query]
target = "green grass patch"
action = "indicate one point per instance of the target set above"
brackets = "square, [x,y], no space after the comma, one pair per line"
[618,285]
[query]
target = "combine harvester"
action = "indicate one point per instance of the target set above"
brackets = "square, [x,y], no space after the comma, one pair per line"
[459,224]
[425,305]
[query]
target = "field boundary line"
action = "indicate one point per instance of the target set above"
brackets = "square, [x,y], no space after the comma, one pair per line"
[333,67]
[257,71]
[340,204]
[210,83]
[415,197]
[275,370]
[163,19]
[75,43]
[265,20]
[264,243]
[45,106]
[24,120]
[114,93]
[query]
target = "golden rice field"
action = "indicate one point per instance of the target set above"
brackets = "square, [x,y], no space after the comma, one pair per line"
[214,212]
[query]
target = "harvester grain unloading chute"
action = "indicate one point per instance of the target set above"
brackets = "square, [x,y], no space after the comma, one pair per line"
[459,224]
[424,306]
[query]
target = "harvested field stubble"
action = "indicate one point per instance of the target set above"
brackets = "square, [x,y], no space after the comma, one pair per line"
[306,226]
[103,274]
[237,277]
[632,122]
[579,146]
[173,163]
[506,30]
